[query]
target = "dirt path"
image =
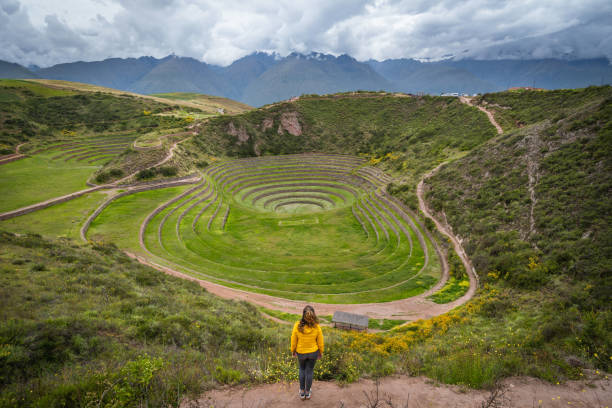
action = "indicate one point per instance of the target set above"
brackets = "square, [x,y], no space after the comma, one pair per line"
[446,231]
[411,392]
[468,101]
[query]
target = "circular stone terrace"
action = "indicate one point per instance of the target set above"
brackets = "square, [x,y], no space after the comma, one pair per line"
[308,227]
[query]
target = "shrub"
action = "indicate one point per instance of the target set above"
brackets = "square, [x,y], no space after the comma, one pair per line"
[168,171]
[146,174]
[105,176]
[227,375]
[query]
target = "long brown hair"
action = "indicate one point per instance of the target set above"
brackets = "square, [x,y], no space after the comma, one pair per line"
[309,318]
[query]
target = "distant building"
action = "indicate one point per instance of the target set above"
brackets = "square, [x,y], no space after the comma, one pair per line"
[525,88]
[456,94]
[350,321]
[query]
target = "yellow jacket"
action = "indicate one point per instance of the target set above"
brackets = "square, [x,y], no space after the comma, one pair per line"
[309,341]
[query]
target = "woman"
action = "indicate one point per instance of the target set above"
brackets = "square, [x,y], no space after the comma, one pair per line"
[307,346]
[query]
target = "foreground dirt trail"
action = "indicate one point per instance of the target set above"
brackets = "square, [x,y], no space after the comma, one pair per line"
[411,392]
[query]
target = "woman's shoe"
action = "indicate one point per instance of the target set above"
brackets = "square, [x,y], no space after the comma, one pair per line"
[308,394]
[302,395]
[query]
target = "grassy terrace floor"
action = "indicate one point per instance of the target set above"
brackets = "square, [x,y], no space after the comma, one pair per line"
[39,178]
[307,227]
[57,169]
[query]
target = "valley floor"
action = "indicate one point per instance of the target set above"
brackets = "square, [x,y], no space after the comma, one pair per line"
[417,392]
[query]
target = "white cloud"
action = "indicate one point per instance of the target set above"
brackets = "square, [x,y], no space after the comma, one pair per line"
[46,32]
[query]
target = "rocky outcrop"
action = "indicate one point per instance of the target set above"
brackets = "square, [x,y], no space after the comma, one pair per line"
[240,132]
[267,124]
[290,124]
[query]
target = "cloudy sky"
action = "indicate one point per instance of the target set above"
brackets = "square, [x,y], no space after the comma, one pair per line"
[46,32]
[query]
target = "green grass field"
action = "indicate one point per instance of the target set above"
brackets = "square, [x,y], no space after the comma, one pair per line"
[39,178]
[58,168]
[63,220]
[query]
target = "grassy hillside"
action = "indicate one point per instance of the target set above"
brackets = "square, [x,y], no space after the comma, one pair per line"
[515,109]
[34,112]
[194,102]
[534,209]
[405,135]
[83,325]
[80,322]
[207,103]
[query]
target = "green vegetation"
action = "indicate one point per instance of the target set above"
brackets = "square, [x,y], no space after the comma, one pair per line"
[452,290]
[60,220]
[32,111]
[86,325]
[288,317]
[384,324]
[120,222]
[515,109]
[549,252]
[166,171]
[72,133]
[458,282]
[27,181]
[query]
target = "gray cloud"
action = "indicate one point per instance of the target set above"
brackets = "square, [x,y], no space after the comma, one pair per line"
[9,6]
[50,32]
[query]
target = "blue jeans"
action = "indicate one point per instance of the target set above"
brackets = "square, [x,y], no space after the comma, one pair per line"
[307,363]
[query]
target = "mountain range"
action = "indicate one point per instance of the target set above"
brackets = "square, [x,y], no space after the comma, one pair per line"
[262,78]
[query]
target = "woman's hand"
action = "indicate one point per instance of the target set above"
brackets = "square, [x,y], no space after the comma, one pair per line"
[320,355]
[294,354]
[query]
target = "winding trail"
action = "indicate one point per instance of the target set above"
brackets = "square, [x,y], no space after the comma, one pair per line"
[165,160]
[446,230]
[410,309]
[468,101]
